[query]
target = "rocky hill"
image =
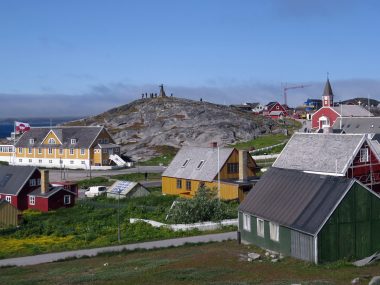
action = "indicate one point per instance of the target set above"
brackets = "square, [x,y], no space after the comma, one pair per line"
[146,127]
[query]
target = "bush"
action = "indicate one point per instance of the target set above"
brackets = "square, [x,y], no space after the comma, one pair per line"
[203,207]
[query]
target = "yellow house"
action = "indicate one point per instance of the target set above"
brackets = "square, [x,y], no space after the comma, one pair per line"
[229,171]
[67,147]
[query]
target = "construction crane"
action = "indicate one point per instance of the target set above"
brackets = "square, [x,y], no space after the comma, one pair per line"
[286,88]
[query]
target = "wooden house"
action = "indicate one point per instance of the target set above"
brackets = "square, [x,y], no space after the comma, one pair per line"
[328,113]
[47,198]
[25,187]
[345,155]
[275,110]
[16,182]
[126,189]
[9,215]
[231,170]
[313,217]
[67,147]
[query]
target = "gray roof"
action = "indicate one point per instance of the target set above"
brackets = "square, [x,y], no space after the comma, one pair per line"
[85,136]
[298,200]
[195,155]
[326,153]
[124,187]
[358,125]
[51,192]
[13,178]
[352,110]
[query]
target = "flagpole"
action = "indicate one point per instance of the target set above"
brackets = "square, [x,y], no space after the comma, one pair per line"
[14,142]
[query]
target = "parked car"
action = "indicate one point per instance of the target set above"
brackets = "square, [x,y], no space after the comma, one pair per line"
[95,191]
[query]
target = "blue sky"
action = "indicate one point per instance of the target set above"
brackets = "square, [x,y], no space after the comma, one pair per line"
[108,52]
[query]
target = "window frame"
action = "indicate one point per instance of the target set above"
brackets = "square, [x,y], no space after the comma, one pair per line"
[274,231]
[50,150]
[364,155]
[201,163]
[51,141]
[246,222]
[260,227]
[65,198]
[8,198]
[73,141]
[188,185]
[32,200]
[179,184]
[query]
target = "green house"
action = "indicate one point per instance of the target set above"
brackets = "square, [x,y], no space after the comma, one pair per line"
[317,218]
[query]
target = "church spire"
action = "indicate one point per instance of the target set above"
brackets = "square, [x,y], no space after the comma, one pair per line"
[328,96]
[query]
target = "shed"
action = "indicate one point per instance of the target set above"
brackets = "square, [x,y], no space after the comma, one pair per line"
[9,215]
[317,218]
[127,189]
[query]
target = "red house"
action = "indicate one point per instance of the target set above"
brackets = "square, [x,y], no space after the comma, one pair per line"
[25,187]
[346,155]
[275,110]
[326,116]
[16,182]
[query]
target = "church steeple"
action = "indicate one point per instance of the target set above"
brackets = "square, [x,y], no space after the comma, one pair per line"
[328,96]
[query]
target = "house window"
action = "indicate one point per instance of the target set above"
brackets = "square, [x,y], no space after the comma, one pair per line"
[117,150]
[364,155]
[66,199]
[40,161]
[83,162]
[38,181]
[104,150]
[50,161]
[260,227]
[32,182]
[31,141]
[50,150]
[39,151]
[20,160]
[71,151]
[60,151]
[82,151]
[277,107]
[32,200]
[200,164]
[51,141]
[71,161]
[30,150]
[232,167]
[188,185]
[246,222]
[8,199]
[105,162]
[73,141]
[20,150]
[186,162]
[30,160]
[274,231]
[106,141]
[179,184]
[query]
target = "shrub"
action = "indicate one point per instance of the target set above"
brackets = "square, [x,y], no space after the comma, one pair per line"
[203,207]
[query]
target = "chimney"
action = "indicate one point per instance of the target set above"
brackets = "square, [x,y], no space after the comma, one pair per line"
[243,165]
[213,144]
[44,181]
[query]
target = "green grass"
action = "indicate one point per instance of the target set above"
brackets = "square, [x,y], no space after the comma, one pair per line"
[90,223]
[166,155]
[262,141]
[137,176]
[212,263]
[96,181]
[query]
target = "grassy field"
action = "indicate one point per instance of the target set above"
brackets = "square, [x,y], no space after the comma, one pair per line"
[106,181]
[214,263]
[91,223]
[262,141]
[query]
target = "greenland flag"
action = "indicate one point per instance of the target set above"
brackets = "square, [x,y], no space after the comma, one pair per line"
[22,127]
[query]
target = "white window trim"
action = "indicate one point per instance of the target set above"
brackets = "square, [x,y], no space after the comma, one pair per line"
[73,141]
[82,151]
[8,199]
[274,231]
[32,200]
[260,233]
[71,151]
[246,222]
[68,201]
[364,155]
[51,141]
